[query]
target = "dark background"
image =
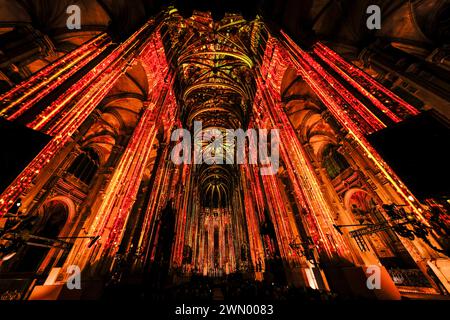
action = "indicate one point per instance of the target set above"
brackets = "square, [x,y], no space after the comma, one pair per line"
[418,150]
[18,146]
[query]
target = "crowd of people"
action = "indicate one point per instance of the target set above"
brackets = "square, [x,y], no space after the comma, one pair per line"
[206,290]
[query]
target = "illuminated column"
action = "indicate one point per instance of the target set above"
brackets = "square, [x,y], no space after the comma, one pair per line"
[64,116]
[183,199]
[128,249]
[387,102]
[158,198]
[319,217]
[337,102]
[238,218]
[189,231]
[271,225]
[25,95]
[109,218]
[252,213]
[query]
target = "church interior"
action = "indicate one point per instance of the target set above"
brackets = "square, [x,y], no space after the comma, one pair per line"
[92,205]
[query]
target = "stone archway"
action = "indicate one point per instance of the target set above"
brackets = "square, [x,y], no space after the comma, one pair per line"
[54,215]
[364,208]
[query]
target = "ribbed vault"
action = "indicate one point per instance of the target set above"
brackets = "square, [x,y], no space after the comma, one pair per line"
[215,85]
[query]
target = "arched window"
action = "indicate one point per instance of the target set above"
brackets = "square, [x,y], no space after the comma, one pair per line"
[333,162]
[85,166]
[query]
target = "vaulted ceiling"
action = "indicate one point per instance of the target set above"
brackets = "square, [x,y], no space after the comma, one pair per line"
[419,23]
[214,63]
